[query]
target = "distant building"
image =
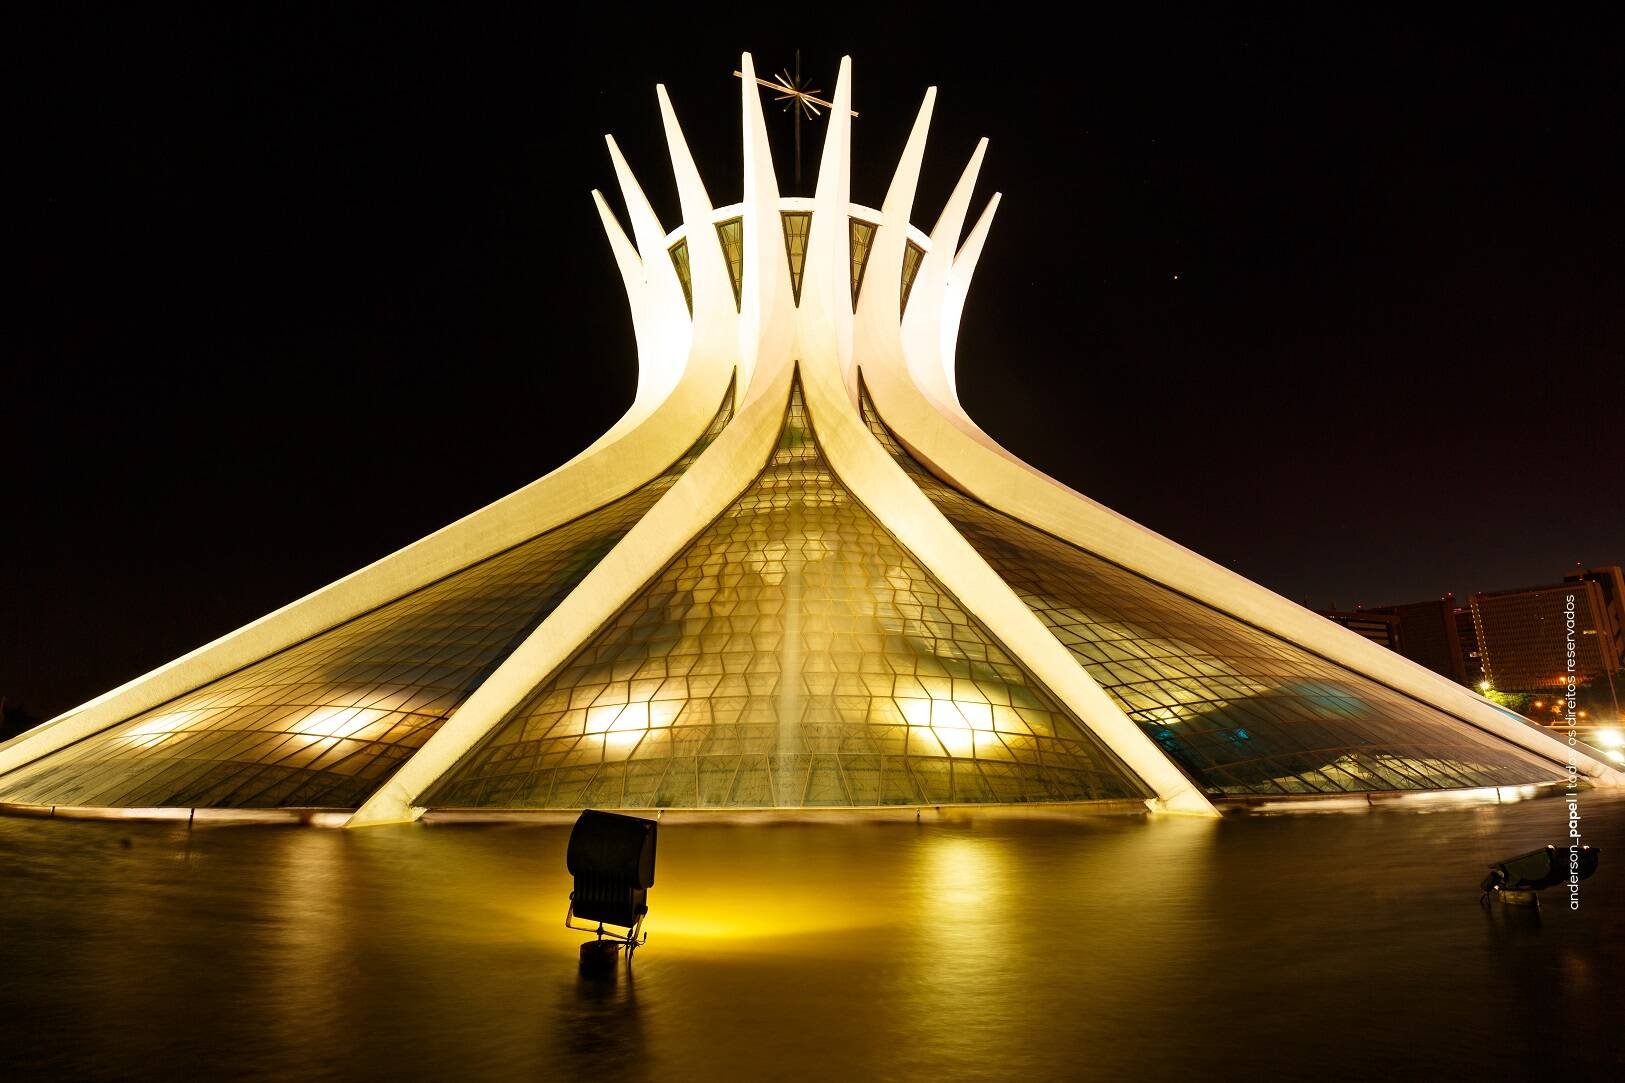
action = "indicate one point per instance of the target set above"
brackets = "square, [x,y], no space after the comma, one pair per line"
[1380,628]
[1472,658]
[1611,580]
[1522,632]
[1430,635]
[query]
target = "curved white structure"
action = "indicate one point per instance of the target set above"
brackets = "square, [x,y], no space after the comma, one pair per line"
[794,574]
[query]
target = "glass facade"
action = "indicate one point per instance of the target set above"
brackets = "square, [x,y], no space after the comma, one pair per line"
[912,255]
[797,225]
[732,236]
[793,655]
[323,723]
[862,234]
[679,260]
[1240,710]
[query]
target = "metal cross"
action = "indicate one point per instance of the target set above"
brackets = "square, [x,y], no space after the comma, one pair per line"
[799,98]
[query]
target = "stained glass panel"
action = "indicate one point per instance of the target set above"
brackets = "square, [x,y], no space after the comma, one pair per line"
[862,234]
[731,234]
[912,255]
[679,260]
[797,224]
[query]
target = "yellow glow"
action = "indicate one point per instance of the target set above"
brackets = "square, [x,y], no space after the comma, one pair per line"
[600,719]
[731,919]
[965,875]
[1616,755]
[978,715]
[959,741]
[1610,739]
[153,731]
[160,726]
[634,717]
[951,728]
[916,712]
[618,744]
[338,721]
[1483,686]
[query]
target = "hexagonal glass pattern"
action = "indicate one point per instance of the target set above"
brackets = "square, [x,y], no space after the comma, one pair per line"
[793,655]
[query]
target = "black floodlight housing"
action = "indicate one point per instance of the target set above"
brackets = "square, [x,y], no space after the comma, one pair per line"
[1539,869]
[612,858]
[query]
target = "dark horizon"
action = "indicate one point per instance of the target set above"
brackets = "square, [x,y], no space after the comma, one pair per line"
[1334,303]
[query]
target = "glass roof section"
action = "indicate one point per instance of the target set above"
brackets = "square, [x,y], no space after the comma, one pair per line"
[793,655]
[1240,710]
[323,723]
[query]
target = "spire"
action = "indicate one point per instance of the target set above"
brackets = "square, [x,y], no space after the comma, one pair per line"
[663,332]
[826,294]
[953,296]
[765,287]
[881,300]
[712,291]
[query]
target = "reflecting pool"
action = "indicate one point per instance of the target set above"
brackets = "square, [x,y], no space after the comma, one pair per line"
[1335,945]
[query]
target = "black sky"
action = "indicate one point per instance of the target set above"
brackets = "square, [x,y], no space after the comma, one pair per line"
[296,286]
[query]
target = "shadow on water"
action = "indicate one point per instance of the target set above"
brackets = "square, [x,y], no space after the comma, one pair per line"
[1340,946]
[600,1023]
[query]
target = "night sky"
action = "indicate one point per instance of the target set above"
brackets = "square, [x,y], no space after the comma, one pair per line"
[1339,304]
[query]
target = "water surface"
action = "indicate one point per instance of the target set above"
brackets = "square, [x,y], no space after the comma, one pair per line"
[1338,945]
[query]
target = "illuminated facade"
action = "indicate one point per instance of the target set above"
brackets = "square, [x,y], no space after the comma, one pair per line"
[1524,633]
[794,575]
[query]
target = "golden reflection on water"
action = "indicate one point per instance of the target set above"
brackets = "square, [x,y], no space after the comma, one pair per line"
[1121,947]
